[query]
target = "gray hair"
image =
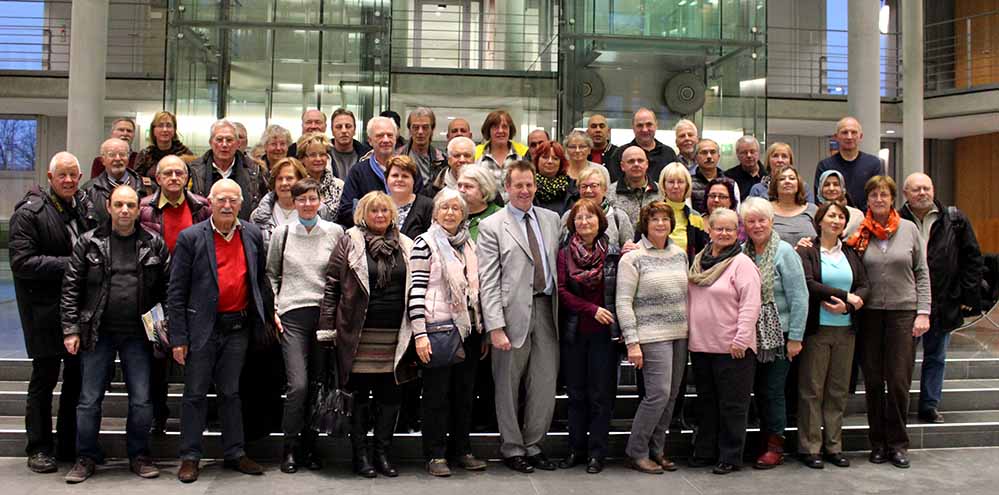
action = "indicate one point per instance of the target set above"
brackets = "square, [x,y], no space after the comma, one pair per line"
[589,171]
[64,157]
[275,131]
[697,149]
[422,112]
[218,124]
[756,206]
[685,123]
[483,177]
[447,194]
[225,183]
[381,120]
[123,119]
[460,140]
[747,139]
[722,214]
[240,127]
[578,135]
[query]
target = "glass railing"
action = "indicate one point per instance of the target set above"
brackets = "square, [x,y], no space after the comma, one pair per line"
[35,36]
[681,19]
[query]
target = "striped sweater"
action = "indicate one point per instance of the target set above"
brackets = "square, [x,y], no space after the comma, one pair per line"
[428,300]
[652,294]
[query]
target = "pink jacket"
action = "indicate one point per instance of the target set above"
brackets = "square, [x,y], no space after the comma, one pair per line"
[725,312]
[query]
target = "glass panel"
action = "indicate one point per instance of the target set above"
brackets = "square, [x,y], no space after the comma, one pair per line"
[18,144]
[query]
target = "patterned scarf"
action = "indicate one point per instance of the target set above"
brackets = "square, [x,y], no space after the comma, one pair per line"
[383,249]
[862,237]
[459,273]
[586,265]
[706,267]
[551,188]
[769,337]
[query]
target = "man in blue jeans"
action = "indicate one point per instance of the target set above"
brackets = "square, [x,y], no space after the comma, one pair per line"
[121,262]
[956,268]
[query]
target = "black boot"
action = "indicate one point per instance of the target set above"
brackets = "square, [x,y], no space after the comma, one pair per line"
[308,454]
[384,427]
[288,462]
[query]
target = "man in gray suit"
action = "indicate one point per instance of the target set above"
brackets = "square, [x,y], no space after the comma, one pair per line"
[516,250]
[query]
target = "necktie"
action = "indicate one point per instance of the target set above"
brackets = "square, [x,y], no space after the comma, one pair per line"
[539,268]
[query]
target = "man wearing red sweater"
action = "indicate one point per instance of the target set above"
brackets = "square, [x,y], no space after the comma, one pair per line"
[218,299]
[166,212]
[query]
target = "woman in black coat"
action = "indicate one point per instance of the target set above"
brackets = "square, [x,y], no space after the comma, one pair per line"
[837,286]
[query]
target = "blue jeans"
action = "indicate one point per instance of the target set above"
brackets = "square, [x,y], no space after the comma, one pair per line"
[95,366]
[219,361]
[931,378]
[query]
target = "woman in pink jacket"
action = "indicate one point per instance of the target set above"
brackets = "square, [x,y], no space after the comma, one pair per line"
[724,304]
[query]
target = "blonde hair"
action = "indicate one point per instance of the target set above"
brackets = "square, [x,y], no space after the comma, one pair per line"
[369,202]
[673,171]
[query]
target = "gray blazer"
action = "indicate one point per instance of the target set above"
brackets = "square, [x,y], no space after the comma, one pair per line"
[506,271]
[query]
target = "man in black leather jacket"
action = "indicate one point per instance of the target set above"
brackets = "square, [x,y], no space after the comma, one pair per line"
[117,272]
[42,231]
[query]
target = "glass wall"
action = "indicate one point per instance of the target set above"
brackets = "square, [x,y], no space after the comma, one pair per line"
[704,60]
[263,62]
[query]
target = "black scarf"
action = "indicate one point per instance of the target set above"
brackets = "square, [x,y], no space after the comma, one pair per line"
[551,188]
[383,249]
[708,260]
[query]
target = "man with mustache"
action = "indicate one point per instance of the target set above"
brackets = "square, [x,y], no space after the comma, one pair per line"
[218,299]
[706,154]
[43,228]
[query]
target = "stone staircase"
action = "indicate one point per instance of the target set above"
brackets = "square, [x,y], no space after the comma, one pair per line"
[970,404]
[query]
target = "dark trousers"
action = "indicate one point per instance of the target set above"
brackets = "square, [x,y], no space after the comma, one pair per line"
[301,352]
[447,404]
[159,379]
[484,404]
[887,357]
[723,387]
[931,376]
[220,362]
[376,403]
[771,402]
[38,407]
[136,356]
[589,366]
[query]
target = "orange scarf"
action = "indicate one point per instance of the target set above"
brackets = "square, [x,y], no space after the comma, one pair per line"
[862,237]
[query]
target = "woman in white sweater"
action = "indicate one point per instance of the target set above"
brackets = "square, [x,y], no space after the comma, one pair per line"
[296,268]
[652,311]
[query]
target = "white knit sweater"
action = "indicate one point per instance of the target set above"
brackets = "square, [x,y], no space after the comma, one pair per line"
[652,294]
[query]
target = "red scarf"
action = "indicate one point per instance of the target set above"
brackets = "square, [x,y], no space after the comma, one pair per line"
[862,237]
[586,266]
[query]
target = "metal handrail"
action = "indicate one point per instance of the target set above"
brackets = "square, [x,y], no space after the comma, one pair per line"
[957,54]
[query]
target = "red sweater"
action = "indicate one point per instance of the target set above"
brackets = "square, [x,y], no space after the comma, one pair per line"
[175,219]
[231,260]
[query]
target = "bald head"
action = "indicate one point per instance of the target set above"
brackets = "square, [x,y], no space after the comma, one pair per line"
[459,127]
[114,156]
[849,134]
[919,193]
[123,209]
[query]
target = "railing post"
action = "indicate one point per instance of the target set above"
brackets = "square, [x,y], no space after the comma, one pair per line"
[967,52]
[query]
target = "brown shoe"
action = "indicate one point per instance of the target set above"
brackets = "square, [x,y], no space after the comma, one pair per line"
[438,467]
[83,469]
[188,472]
[144,467]
[244,465]
[647,466]
[665,462]
[471,463]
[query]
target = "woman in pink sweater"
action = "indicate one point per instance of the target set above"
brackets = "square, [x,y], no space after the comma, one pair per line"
[723,306]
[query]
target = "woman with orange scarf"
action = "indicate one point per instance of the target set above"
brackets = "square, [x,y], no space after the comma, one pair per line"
[895,314]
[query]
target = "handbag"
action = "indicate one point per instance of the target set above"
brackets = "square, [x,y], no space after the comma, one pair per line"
[331,405]
[445,345]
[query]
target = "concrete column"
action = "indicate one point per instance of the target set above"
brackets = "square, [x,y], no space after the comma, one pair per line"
[864,78]
[912,88]
[88,47]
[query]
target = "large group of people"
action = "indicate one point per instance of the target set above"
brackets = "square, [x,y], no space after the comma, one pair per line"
[458,285]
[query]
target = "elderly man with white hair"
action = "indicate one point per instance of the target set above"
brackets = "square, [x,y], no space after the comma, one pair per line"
[369,173]
[218,298]
[43,229]
[687,137]
[225,161]
[460,152]
[114,156]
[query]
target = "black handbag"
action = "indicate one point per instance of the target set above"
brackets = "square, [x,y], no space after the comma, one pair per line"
[331,406]
[445,345]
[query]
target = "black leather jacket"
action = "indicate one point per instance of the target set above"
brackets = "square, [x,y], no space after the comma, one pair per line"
[87,284]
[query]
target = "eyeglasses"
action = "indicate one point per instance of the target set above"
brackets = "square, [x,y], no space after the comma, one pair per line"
[577,147]
[719,197]
[173,173]
[305,200]
[227,200]
[224,140]
[588,185]
[724,230]
[116,154]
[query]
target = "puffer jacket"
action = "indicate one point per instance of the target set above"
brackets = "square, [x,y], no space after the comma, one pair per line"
[86,285]
[40,245]
[345,305]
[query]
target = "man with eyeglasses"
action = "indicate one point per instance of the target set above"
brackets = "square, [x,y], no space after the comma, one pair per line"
[225,161]
[168,211]
[114,156]
[122,128]
[218,300]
